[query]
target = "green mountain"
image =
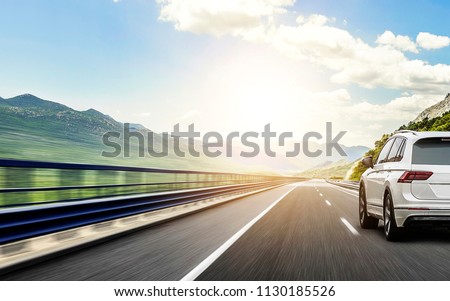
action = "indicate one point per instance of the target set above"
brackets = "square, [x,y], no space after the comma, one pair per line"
[33,128]
[37,129]
[31,112]
[441,122]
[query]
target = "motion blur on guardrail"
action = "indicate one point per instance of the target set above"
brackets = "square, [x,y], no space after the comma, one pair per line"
[31,182]
[353,185]
[39,198]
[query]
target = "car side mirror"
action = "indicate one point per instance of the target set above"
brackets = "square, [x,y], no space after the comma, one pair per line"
[368,162]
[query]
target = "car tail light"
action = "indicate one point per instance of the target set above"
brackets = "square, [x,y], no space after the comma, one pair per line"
[409,176]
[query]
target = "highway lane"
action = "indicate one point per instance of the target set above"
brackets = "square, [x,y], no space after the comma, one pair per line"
[164,252]
[314,235]
[311,234]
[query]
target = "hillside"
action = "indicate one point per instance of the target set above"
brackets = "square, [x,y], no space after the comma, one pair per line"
[335,170]
[37,129]
[440,122]
[434,111]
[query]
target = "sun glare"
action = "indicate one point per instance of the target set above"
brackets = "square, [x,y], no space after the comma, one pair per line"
[251,90]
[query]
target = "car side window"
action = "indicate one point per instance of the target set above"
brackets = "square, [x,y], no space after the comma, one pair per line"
[401,151]
[385,151]
[397,149]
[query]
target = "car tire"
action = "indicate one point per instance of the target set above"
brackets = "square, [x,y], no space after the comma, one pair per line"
[365,220]
[391,231]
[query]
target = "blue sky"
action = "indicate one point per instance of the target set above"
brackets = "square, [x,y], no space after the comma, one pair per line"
[137,63]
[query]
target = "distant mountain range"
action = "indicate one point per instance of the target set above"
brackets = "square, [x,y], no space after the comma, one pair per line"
[30,110]
[37,129]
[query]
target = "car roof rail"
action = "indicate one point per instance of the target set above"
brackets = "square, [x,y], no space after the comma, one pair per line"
[406,131]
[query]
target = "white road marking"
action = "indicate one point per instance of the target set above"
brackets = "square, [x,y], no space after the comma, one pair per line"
[328,203]
[321,194]
[192,275]
[349,226]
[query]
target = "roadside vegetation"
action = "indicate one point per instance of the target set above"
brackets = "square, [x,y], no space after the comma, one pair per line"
[435,124]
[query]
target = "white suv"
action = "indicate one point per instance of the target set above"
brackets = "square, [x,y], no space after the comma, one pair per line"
[408,184]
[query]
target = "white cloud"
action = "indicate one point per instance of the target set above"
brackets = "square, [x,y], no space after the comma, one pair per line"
[219,17]
[400,42]
[355,61]
[337,97]
[403,109]
[314,39]
[365,121]
[430,41]
[339,103]
[318,20]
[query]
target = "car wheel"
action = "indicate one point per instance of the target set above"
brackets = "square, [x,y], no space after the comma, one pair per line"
[391,231]
[365,220]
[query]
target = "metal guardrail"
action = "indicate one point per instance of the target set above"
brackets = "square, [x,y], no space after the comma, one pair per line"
[31,182]
[354,185]
[31,221]
[31,218]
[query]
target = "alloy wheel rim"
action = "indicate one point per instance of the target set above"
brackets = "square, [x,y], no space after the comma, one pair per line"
[361,206]
[387,215]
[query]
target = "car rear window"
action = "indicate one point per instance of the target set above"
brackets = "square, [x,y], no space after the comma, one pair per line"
[432,151]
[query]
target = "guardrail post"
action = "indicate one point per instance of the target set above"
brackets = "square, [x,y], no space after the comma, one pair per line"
[175,185]
[2,185]
[147,188]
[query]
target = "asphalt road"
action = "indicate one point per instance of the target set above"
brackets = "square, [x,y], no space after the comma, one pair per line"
[311,234]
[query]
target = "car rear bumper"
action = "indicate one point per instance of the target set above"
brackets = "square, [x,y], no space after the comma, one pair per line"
[407,218]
